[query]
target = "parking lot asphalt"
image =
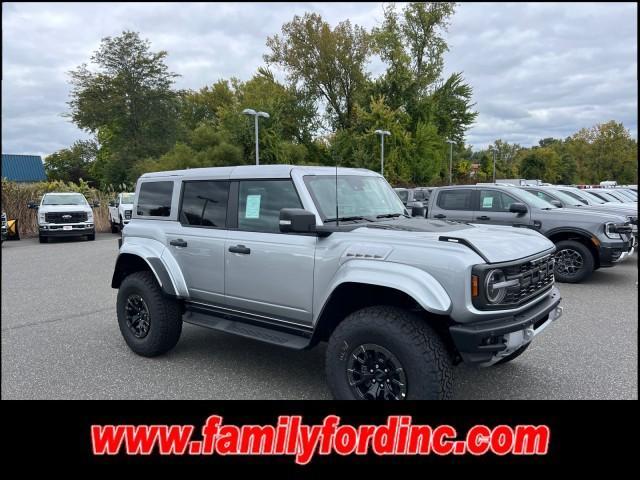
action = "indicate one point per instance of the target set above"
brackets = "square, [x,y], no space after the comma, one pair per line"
[60,340]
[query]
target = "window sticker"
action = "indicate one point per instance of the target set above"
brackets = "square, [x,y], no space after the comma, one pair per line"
[252,209]
[487,202]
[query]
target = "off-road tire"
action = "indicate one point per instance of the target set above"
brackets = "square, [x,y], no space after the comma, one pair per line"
[419,349]
[165,325]
[514,355]
[588,262]
[43,239]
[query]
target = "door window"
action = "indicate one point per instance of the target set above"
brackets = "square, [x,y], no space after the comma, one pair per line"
[495,201]
[204,204]
[455,199]
[260,202]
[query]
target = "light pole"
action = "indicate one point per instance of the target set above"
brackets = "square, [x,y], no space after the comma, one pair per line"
[248,111]
[382,133]
[494,166]
[450,142]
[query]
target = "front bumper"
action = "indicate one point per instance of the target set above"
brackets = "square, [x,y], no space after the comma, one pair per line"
[486,342]
[76,230]
[616,253]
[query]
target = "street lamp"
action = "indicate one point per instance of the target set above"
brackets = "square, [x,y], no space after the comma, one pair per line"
[450,142]
[494,166]
[382,133]
[248,111]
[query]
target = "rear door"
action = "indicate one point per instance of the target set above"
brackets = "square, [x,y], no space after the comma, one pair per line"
[197,241]
[493,209]
[267,272]
[453,204]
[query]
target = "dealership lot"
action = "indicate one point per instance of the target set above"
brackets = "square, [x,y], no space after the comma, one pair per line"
[60,340]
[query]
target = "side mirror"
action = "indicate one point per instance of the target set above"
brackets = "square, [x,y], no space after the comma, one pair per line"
[519,208]
[556,203]
[32,205]
[297,220]
[112,203]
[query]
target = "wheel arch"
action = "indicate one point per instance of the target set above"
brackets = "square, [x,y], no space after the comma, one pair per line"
[128,263]
[576,234]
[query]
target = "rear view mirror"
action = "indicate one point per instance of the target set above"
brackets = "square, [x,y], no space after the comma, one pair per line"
[519,208]
[297,220]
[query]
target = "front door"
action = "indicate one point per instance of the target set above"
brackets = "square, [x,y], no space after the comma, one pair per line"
[267,272]
[493,209]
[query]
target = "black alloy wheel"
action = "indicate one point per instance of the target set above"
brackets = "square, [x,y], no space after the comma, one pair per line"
[137,316]
[374,373]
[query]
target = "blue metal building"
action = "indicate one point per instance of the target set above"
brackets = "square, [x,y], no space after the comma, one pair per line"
[23,168]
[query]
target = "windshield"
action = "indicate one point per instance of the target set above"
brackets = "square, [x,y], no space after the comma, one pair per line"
[592,197]
[358,196]
[533,200]
[54,199]
[620,195]
[127,197]
[630,194]
[565,198]
[606,197]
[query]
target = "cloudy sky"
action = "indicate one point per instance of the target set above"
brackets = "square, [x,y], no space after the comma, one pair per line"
[537,70]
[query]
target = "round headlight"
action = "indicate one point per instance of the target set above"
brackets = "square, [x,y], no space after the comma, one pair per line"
[495,295]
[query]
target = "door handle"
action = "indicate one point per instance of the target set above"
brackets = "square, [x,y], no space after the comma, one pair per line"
[483,217]
[240,249]
[178,243]
[439,216]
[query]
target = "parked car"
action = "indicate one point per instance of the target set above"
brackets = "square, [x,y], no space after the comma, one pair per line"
[560,198]
[416,208]
[607,195]
[584,241]
[279,254]
[4,226]
[120,211]
[64,215]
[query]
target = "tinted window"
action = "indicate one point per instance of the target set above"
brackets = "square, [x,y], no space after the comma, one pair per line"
[404,195]
[455,199]
[260,202]
[495,201]
[205,204]
[155,199]
[541,195]
[577,197]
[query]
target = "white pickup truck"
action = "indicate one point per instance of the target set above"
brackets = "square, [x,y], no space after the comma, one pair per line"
[120,211]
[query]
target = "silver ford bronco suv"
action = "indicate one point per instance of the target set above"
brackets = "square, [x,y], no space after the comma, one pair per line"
[294,256]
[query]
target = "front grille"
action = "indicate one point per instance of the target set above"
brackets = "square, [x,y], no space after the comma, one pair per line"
[65,217]
[127,214]
[533,277]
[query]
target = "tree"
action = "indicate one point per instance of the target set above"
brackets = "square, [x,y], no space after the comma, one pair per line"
[540,163]
[72,164]
[127,102]
[327,63]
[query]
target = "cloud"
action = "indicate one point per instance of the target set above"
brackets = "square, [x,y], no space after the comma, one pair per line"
[537,70]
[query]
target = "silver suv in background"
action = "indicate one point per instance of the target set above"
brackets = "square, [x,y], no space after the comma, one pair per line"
[294,256]
[585,241]
[63,214]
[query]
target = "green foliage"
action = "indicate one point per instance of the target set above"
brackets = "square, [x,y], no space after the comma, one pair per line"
[127,102]
[72,164]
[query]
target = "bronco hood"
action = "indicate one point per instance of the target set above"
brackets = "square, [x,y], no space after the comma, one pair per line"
[496,243]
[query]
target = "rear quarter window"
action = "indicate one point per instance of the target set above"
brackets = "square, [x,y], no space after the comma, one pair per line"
[455,199]
[154,199]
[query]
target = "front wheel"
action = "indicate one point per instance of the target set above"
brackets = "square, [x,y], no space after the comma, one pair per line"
[114,226]
[387,353]
[150,323]
[91,237]
[573,262]
[43,239]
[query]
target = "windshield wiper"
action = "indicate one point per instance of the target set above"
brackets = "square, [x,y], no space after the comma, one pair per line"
[392,215]
[346,219]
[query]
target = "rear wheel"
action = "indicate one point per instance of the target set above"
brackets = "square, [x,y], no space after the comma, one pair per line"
[573,261]
[386,353]
[150,323]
